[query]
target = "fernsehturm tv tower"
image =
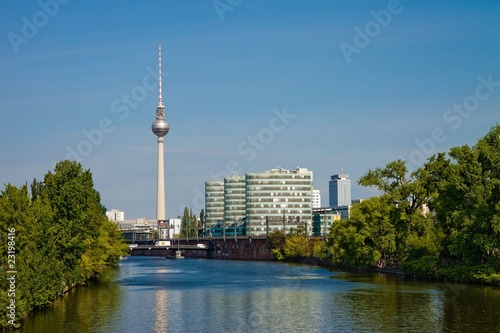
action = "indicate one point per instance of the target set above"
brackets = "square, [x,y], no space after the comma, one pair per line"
[160,128]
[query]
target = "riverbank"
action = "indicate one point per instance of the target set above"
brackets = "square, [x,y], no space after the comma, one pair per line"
[449,275]
[58,238]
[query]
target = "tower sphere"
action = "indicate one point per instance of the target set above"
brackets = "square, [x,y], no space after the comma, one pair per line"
[160,127]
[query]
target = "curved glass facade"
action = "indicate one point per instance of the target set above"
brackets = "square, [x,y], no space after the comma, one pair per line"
[277,199]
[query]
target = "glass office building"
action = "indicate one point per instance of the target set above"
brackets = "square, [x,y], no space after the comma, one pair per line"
[278,199]
[214,202]
[340,190]
[234,200]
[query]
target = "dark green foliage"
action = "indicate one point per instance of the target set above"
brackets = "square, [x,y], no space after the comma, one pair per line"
[441,221]
[62,237]
[456,238]
[277,244]
[293,245]
[189,226]
[297,243]
[466,203]
[366,236]
[420,266]
[201,225]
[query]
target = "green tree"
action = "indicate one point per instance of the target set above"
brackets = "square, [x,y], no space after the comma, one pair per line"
[193,224]
[38,281]
[185,223]
[201,225]
[189,224]
[277,244]
[405,195]
[62,237]
[320,249]
[363,238]
[296,243]
[36,189]
[79,215]
[466,204]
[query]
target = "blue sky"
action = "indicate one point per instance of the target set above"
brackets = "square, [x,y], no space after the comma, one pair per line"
[247,85]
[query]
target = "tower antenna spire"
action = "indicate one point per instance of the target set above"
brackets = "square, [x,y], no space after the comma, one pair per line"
[159,74]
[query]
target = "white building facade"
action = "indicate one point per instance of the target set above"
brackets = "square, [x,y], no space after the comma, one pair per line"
[115,215]
[173,228]
[278,199]
[316,199]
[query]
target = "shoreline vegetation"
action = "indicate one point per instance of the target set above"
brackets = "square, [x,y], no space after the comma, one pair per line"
[56,236]
[439,222]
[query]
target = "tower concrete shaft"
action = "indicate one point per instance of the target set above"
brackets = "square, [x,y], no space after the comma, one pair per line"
[160,193]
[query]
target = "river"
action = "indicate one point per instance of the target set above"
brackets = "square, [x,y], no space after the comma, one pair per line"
[153,294]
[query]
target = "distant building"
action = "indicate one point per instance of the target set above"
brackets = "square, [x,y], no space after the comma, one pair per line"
[139,230]
[144,229]
[141,223]
[323,218]
[115,215]
[340,190]
[357,201]
[343,211]
[173,228]
[316,199]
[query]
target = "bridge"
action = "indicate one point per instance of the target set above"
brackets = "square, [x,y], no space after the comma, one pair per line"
[255,248]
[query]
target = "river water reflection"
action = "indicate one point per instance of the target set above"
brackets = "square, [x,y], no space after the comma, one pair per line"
[152,294]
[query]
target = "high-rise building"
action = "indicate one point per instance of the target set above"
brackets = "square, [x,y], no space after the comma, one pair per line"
[340,190]
[262,202]
[316,199]
[278,199]
[214,202]
[234,200]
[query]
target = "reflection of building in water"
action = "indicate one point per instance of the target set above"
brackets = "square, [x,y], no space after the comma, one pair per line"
[161,319]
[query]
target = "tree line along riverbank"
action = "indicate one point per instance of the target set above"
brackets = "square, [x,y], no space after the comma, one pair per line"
[441,221]
[55,236]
